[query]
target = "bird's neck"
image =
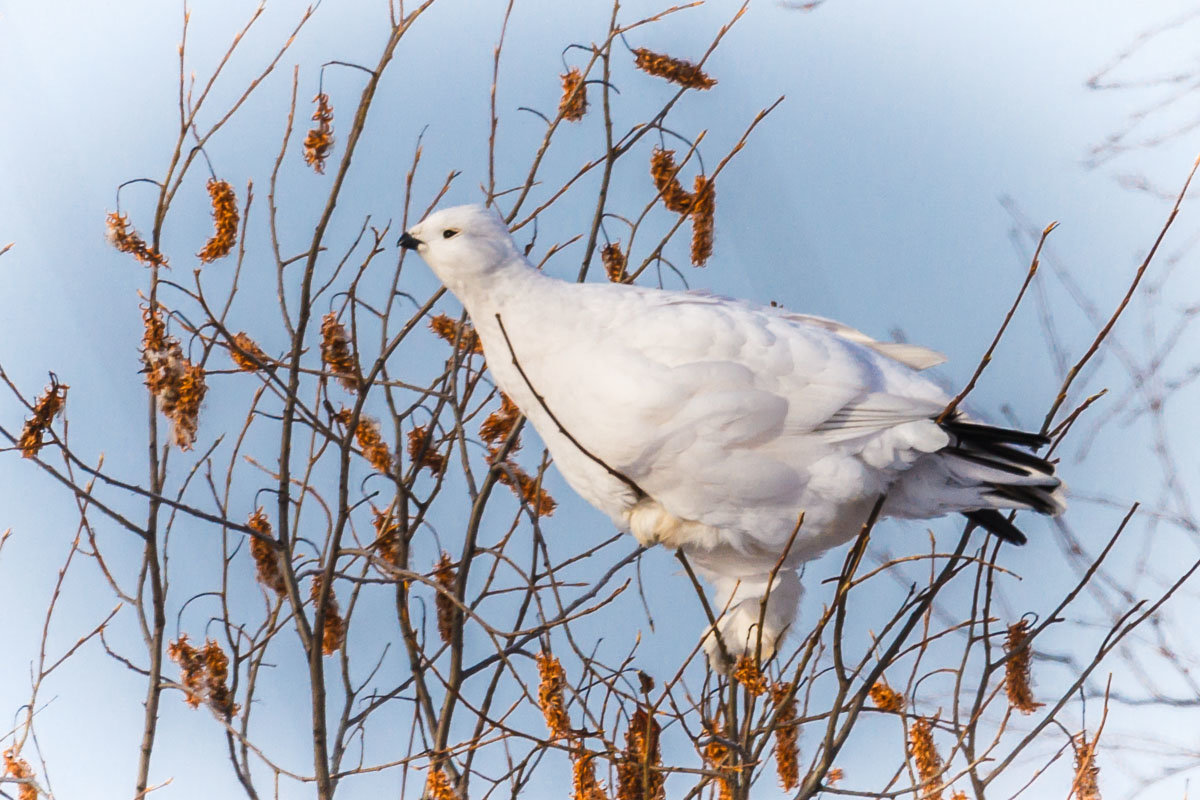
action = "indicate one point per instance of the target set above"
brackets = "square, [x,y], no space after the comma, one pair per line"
[513,280]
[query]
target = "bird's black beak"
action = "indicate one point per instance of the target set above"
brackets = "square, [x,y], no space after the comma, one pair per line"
[409,242]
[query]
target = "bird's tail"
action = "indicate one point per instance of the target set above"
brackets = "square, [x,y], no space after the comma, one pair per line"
[991,461]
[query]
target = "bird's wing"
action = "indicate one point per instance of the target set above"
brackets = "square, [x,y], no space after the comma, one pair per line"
[715,407]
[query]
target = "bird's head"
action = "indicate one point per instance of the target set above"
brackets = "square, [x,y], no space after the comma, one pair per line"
[461,244]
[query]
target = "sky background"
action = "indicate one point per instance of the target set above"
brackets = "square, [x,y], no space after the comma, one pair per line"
[872,195]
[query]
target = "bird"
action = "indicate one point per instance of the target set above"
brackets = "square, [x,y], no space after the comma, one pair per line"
[751,439]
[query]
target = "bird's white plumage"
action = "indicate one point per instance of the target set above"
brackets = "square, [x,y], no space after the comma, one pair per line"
[732,418]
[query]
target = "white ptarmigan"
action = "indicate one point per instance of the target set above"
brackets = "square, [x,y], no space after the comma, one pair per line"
[710,424]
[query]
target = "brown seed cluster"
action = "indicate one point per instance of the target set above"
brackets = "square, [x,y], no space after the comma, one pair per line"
[886,698]
[438,787]
[449,329]
[704,209]
[747,673]
[319,140]
[550,695]
[528,488]
[583,777]
[204,674]
[387,538]
[130,241]
[675,70]
[717,757]
[48,406]
[372,444]
[1016,668]
[443,573]
[499,424]
[574,98]
[225,221]
[614,262]
[639,774]
[335,352]
[926,758]
[666,180]
[246,353]
[265,558]
[334,636]
[1086,784]
[174,380]
[18,768]
[423,453]
[787,753]
[834,776]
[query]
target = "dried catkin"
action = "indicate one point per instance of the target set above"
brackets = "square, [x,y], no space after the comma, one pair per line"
[335,627]
[499,424]
[374,449]
[225,221]
[886,698]
[246,353]
[129,241]
[639,775]
[675,70]
[387,538]
[550,695]
[191,669]
[423,453]
[1016,668]
[1086,785]
[787,753]
[19,769]
[448,329]
[666,180]
[747,673]
[574,97]
[716,756]
[704,207]
[443,573]
[216,679]
[926,758]
[438,787]
[583,777]
[176,382]
[265,559]
[319,140]
[48,406]
[614,262]
[335,352]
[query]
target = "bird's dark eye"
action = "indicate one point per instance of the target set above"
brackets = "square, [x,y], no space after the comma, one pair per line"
[449,233]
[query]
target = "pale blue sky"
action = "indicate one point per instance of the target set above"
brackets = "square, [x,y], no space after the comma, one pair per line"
[871,195]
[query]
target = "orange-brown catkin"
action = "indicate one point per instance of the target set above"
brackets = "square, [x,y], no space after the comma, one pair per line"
[48,406]
[528,488]
[886,698]
[704,208]
[443,573]
[614,262]
[438,787]
[265,558]
[225,221]
[18,768]
[335,627]
[716,756]
[574,98]
[666,180]
[373,447]
[446,328]
[1086,785]
[787,754]
[245,353]
[747,673]
[550,695]
[639,776]
[1016,668]
[319,140]
[129,241]
[191,670]
[335,352]
[176,382]
[216,679]
[675,70]
[583,777]
[499,424]
[926,758]
[387,538]
[423,453]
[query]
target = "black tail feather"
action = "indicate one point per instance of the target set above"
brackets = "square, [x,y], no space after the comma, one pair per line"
[993,521]
[973,431]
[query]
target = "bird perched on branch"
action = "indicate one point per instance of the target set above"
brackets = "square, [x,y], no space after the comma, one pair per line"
[713,425]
